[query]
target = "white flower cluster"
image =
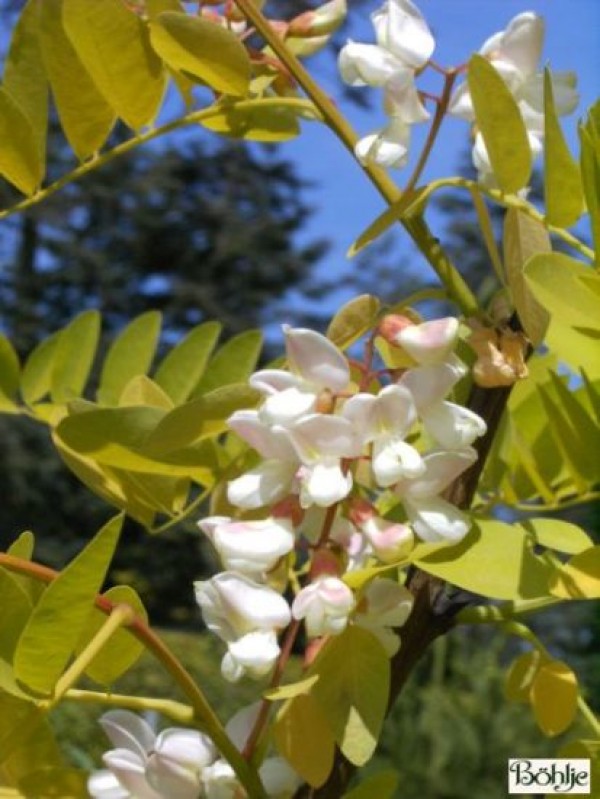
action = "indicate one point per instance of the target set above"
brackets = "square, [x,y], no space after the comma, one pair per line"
[329,447]
[403,49]
[178,763]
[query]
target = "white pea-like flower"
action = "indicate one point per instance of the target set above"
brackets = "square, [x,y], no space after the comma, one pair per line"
[325,605]
[384,605]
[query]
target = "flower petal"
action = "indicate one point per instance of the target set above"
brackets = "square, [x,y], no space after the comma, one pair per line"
[127,730]
[321,435]
[401,29]
[252,547]
[130,771]
[264,485]
[386,147]
[453,426]
[103,784]
[268,441]
[402,101]
[366,64]
[255,652]
[442,468]
[430,342]
[316,359]
[394,459]
[324,484]
[433,519]
[429,385]
[522,42]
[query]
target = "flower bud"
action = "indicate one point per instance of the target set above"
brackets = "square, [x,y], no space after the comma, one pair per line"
[319,21]
[430,342]
[391,325]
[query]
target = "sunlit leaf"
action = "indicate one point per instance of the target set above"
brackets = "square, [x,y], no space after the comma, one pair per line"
[74,356]
[234,362]
[494,560]
[49,638]
[17,606]
[554,697]
[112,43]
[10,370]
[353,320]
[352,690]
[141,390]
[520,676]
[501,125]
[589,135]
[85,116]
[181,369]
[580,577]
[37,371]
[25,76]
[559,535]
[562,181]
[203,49]
[123,649]
[290,690]
[312,755]
[20,161]
[523,238]
[130,354]
[268,120]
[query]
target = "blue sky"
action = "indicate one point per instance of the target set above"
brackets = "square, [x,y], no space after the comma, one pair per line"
[346,203]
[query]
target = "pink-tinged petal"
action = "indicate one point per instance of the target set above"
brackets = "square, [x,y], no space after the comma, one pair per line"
[270,381]
[316,359]
[522,42]
[442,468]
[270,442]
[255,652]
[321,435]
[366,64]
[127,730]
[288,406]
[264,485]
[429,385]
[390,541]
[433,519]
[453,426]
[324,605]
[386,147]
[210,524]
[394,459]
[430,342]
[323,484]
[103,784]
[402,102]
[401,29]
[130,771]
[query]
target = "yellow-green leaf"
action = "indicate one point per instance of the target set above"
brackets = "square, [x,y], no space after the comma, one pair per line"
[589,136]
[202,49]
[10,371]
[141,390]
[234,362]
[520,676]
[74,356]
[129,355]
[353,690]
[381,785]
[123,649]
[49,638]
[501,125]
[25,77]
[17,607]
[579,578]
[353,320]
[268,120]
[495,560]
[554,697]
[562,181]
[182,368]
[290,690]
[312,755]
[85,116]
[523,238]
[559,535]
[112,42]
[20,161]
[37,372]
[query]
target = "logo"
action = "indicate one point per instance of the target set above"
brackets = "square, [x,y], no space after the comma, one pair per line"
[554,776]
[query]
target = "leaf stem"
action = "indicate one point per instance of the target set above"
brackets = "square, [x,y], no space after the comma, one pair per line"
[177,711]
[204,715]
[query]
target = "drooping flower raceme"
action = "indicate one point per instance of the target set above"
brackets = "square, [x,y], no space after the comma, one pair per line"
[515,53]
[403,46]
